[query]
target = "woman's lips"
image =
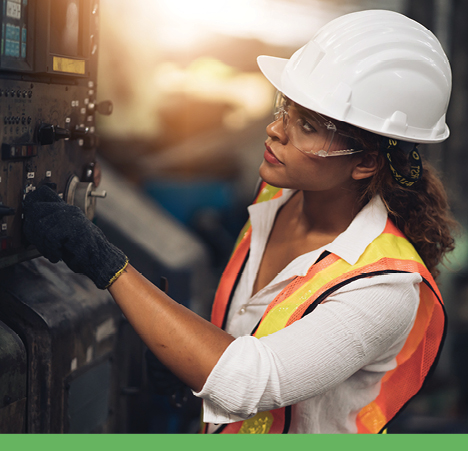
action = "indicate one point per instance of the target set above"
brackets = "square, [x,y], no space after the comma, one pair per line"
[270,156]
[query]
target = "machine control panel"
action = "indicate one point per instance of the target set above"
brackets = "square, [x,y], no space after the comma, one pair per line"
[48,107]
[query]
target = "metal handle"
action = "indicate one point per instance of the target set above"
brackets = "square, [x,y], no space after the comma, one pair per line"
[101,194]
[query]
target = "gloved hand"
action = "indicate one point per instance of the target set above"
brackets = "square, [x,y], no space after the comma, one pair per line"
[62,232]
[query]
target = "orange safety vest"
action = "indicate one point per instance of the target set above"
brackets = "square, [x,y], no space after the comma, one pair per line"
[388,253]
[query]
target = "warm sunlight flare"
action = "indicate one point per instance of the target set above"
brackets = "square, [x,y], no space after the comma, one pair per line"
[228,15]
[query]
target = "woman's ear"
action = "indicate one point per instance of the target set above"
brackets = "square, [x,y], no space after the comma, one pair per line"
[366,166]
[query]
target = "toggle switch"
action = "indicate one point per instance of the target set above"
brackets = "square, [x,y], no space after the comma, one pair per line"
[79,132]
[48,134]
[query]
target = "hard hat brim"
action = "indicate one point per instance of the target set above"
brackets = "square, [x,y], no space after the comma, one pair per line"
[272,67]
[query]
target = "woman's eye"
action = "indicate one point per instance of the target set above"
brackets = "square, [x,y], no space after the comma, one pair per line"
[307,126]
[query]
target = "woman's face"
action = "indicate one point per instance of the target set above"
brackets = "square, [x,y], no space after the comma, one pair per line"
[287,167]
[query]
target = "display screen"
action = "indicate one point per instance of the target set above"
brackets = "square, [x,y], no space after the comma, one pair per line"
[14,29]
[65,21]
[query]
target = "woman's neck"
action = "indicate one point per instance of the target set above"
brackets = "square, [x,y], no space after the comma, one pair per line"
[325,212]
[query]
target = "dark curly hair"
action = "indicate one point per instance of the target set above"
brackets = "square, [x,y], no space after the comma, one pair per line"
[421,211]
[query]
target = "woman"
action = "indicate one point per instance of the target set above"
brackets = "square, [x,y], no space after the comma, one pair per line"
[327,318]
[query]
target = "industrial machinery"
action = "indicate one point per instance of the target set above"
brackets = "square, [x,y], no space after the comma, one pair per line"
[59,336]
[69,360]
[48,63]
[59,332]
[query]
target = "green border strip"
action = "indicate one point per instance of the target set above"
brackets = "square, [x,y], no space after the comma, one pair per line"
[391,442]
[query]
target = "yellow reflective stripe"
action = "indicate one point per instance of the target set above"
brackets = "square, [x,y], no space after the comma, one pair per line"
[259,424]
[267,193]
[386,245]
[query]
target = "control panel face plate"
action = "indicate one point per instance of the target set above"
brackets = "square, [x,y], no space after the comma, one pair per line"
[48,74]
[47,135]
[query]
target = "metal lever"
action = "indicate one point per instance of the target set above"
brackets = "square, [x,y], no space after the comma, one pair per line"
[101,194]
[48,134]
[79,132]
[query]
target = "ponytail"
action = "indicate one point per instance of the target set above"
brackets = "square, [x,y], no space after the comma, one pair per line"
[420,211]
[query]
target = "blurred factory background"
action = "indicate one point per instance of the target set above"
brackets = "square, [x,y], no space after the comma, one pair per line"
[180,156]
[190,110]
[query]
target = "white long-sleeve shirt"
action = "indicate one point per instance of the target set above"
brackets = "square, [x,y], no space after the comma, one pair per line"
[327,365]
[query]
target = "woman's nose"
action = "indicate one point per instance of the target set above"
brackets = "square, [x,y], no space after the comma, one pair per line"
[276,130]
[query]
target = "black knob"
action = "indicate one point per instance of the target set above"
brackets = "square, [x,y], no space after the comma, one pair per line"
[48,134]
[6,211]
[45,134]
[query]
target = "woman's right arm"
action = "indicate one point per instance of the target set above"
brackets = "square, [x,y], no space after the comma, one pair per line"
[366,322]
[186,343]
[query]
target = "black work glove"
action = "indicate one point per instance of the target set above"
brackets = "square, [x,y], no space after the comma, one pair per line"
[62,232]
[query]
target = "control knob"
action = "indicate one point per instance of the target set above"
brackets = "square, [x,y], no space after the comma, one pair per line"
[83,195]
[48,133]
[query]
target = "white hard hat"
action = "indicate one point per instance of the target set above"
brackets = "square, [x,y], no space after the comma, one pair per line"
[378,70]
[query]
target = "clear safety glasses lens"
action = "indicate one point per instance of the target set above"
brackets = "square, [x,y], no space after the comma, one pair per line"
[310,132]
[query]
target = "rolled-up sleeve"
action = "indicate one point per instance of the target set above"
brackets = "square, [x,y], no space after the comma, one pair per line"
[363,324]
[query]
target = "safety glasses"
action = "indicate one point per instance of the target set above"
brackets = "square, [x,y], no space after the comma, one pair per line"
[310,132]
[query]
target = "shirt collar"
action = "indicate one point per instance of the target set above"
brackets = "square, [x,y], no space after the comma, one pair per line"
[368,224]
